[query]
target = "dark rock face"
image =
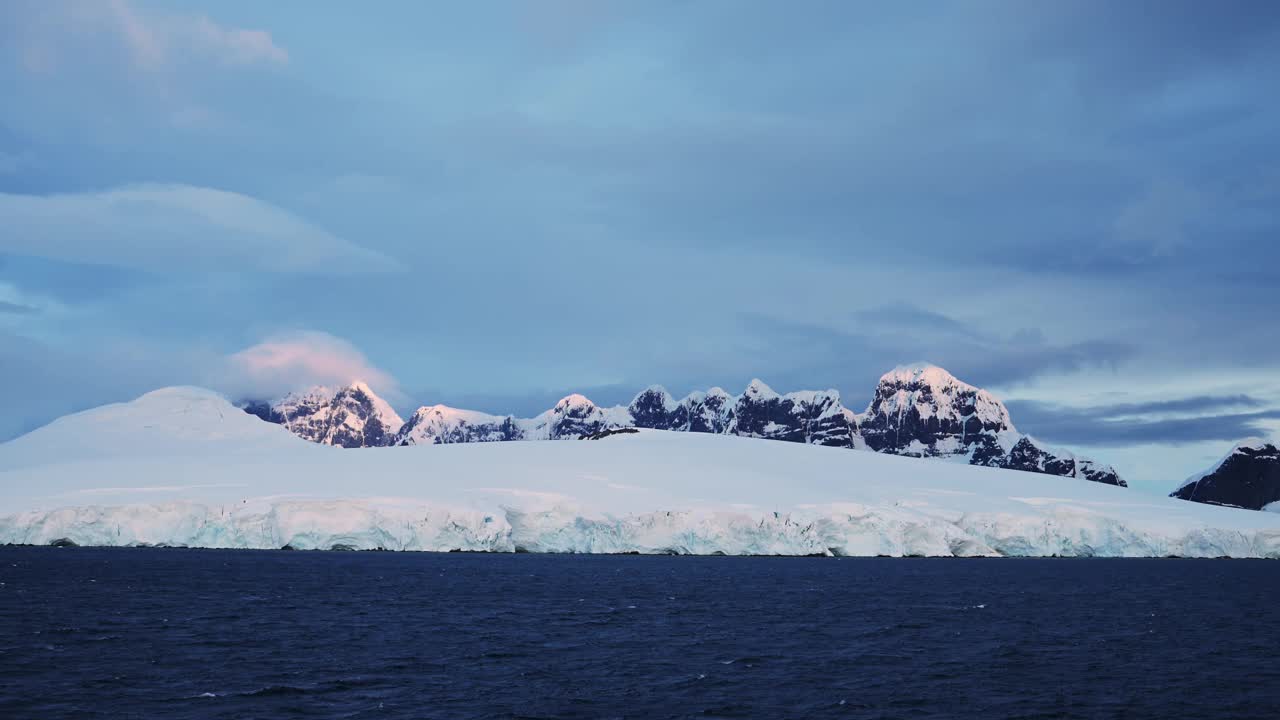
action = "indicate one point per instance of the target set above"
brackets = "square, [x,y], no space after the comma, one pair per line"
[762,413]
[369,429]
[1095,472]
[263,410]
[1028,456]
[824,420]
[609,433]
[816,418]
[1248,478]
[654,408]
[573,417]
[64,542]
[709,412]
[808,417]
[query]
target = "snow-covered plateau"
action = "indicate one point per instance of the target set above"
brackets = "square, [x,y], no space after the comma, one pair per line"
[182,466]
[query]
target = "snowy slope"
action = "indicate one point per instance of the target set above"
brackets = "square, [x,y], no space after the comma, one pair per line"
[176,421]
[222,478]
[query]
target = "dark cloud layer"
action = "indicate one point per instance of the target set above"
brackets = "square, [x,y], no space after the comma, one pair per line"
[600,196]
[1201,419]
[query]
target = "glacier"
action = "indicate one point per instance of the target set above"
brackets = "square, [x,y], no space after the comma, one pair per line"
[184,467]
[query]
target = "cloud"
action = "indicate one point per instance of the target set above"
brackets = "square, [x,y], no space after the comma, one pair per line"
[296,361]
[150,489]
[17,308]
[809,355]
[1159,221]
[16,303]
[1198,403]
[1179,421]
[234,45]
[151,41]
[10,163]
[170,227]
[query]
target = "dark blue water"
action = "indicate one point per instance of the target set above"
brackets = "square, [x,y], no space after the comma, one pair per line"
[88,633]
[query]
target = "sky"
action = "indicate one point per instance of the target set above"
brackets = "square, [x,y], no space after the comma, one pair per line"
[492,204]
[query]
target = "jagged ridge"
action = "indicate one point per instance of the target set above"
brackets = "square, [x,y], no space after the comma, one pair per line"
[919,410]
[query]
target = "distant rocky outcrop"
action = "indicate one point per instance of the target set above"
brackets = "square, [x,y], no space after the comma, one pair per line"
[920,411]
[609,433]
[1248,477]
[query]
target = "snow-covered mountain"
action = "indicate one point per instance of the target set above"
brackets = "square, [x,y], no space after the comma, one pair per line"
[922,411]
[571,418]
[1247,477]
[816,418]
[441,424]
[351,417]
[182,466]
[925,411]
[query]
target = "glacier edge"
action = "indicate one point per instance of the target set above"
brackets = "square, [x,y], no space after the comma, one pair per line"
[840,530]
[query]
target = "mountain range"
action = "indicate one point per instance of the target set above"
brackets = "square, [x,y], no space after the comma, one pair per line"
[919,410]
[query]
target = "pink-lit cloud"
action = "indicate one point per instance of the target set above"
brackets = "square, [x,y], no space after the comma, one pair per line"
[152,41]
[299,360]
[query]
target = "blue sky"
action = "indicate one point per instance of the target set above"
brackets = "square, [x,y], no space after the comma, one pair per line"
[490,204]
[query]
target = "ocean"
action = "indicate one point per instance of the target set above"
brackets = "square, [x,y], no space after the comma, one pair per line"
[174,633]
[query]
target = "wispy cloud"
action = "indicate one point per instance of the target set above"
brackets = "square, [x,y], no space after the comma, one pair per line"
[152,41]
[236,46]
[17,308]
[168,227]
[1159,221]
[15,302]
[1178,421]
[295,361]
[150,489]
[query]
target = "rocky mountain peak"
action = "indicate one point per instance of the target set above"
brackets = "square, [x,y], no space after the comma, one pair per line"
[653,407]
[1247,477]
[925,410]
[574,403]
[350,416]
[758,390]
